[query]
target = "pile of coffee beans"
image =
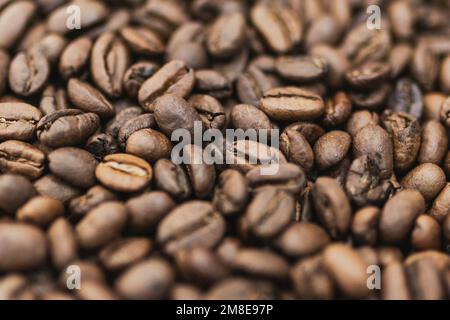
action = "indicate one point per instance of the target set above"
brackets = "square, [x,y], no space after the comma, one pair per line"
[93,205]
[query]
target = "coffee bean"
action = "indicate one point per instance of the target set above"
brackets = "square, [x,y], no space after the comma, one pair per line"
[148,209]
[122,253]
[101,225]
[288,177]
[96,195]
[248,117]
[53,187]
[143,121]
[238,288]
[291,104]
[337,63]
[4,67]
[142,41]
[434,143]
[62,243]
[18,157]
[172,179]
[407,97]
[190,225]
[113,127]
[324,29]
[226,35]
[75,57]
[109,61]
[360,119]
[15,190]
[149,279]
[365,225]
[21,238]
[173,78]
[101,145]
[150,145]
[251,85]
[332,206]
[136,75]
[18,121]
[427,178]
[373,99]
[337,110]
[87,98]
[230,194]
[296,148]
[14,19]
[28,73]
[399,214]
[124,172]
[331,148]
[53,99]
[368,76]
[432,105]
[424,66]
[40,211]
[445,112]
[301,69]
[66,127]
[74,165]
[213,83]
[210,110]
[426,234]
[440,208]
[399,58]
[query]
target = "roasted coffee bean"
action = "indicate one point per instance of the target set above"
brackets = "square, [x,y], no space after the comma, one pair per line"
[368,76]
[18,157]
[398,216]
[311,131]
[213,83]
[93,197]
[371,100]
[427,178]
[425,281]
[210,110]
[66,127]
[143,121]
[301,69]
[150,145]
[261,263]
[113,127]
[191,31]
[101,225]
[297,148]
[226,35]
[75,166]
[149,279]
[18,121]
[15,190]
[332,206]
[173,78]
[87,98]
[407,97]
[230,194]
[51,46]
[148,209]
[173,179]
[190,225]
[291,104]
[231,69]
[122,253]
[75,57]
[365,226]
[142,41]
[434,143]
[24,239]
[14,19]
[102,144]
[40,211]
[251,85]
[62,243]
[136,75]
[302,239]
[192,53]
[287,177]
[173,112]
[432,105]
[399,58]
[348,269]
[53,187]
[248,117]
[440,208]
[424,66]
[15,287]
[109,61]
[279,25]
[124,172]
[331,148]
[374,141]
[270,211]
[53,99]
[337,62]
[360,119]
[324,29]
[201,266]
[445,112]
[337,110]
[444,79]
[28,73]
[426,234]
[4,67]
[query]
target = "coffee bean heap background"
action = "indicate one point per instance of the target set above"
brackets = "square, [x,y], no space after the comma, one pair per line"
[86,117]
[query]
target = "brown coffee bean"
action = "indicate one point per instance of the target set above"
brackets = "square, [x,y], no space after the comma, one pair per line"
[143,121]
[18,157]
[109,61]
[434,143]
[432,105]
[291,104]
[368,75]
[374,141]
[4,67]
[287,177]
[373,99]
[93,197]
[332,206]
[424,66]
[213,83]
[337,62]
[269,213]
[66,127]
[231,192]
[173,78]
[248,117]
[172,179]
[445,112]
[148,209]
[302,239]
[331,148]
[53,187]
[74,59]
[399,214]
[337,110]
[53,99]
[251,85]
[185,292]
[407,97]
[15,190]
[226,35]
[87,98]
[261,263]
[101,224]
[297,148]
[62,243]
[210,110]
[135,76]
[324,29]
[301,69]
[190,225]
[18,121]
[142,41]
[426,234]
[122,253]
[15,287]
[360,119]
[14,19]
[40,211]
[75,166]
[365,226]
[23,247]
[441,204]
[427,178]
[348,269]
[150,145]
